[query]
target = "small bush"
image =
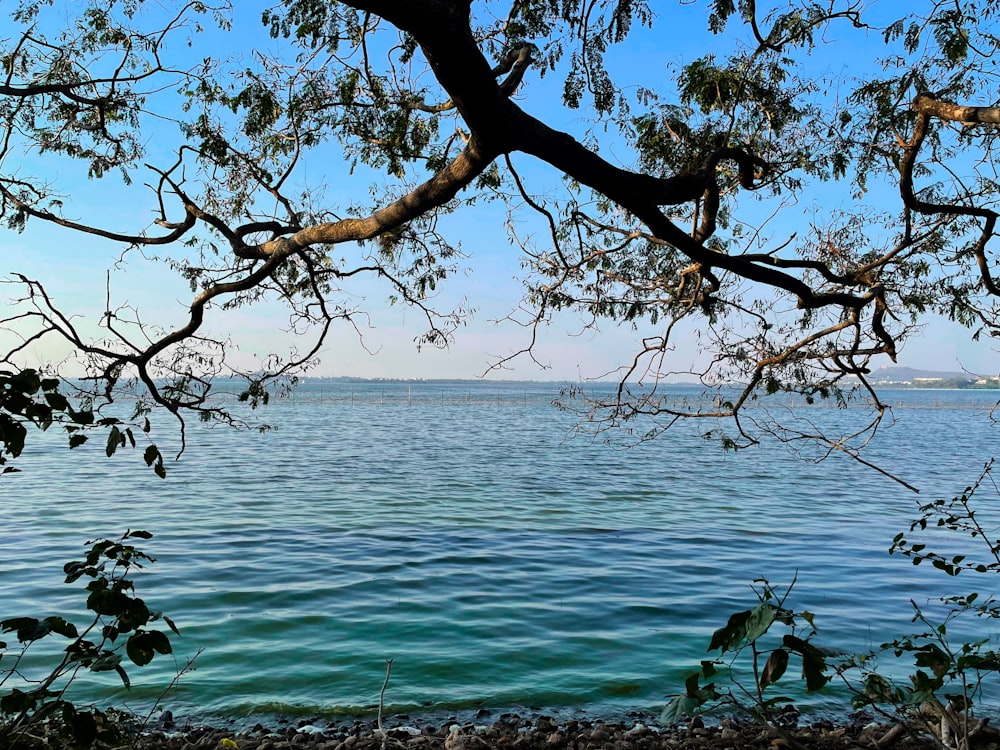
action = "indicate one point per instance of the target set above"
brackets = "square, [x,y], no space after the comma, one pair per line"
[33,707]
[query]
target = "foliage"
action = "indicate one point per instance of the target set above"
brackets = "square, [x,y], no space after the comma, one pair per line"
[27,398]
[753,659]
[119,629]
[941,692]
[944,673]
[697,226]
[940,695]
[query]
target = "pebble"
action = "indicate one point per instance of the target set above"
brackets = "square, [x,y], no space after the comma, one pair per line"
[514,732]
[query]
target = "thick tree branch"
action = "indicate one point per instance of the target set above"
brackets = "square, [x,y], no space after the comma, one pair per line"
[929,105]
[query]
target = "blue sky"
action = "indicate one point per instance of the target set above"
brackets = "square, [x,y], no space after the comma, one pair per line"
[74,267]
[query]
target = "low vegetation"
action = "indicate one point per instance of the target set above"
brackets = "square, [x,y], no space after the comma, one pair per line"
[36,706]
[945,677]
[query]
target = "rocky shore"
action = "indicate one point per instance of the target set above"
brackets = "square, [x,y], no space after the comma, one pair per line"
[511,731]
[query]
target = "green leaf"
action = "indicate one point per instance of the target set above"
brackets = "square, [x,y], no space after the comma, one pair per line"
[85,417]
[774,668]
[115,439]
[931,656]
[160,642]
[679,709]
[104,602]
[760,620]
[13,435]
[28,628]
[139,649]
[61,626]
[57,401]
[124,675]
[143,645]
[813,662]
[730,636]
[106,662]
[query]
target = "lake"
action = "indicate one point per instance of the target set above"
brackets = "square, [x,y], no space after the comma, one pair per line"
[462,530]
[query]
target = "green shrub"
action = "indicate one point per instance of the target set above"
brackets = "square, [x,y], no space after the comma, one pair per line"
[120,630]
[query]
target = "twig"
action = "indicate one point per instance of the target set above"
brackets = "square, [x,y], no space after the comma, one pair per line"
[188,666]
[381,702]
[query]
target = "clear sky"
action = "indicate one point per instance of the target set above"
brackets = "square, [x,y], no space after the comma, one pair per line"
[75,269]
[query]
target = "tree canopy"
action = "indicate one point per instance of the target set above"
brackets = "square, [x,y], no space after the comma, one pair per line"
[678,198]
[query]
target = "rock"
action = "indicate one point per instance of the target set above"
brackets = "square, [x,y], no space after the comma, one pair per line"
[600,734]
[546,725]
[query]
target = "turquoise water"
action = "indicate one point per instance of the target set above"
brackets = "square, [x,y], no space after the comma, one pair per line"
[462,530]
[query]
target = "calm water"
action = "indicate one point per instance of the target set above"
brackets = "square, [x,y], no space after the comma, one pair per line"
[458,529]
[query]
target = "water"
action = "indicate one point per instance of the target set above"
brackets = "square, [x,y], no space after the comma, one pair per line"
[460,530]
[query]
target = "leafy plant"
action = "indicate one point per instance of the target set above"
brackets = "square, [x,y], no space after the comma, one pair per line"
[754,659]
[28,399]
[938,698]
[940,694]
[945,675]
[119,629]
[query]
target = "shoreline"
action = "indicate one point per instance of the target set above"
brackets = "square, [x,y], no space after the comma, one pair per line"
[490,730]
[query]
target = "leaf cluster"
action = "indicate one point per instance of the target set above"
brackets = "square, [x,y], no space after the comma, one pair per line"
[120,628]
[754,660]
[27,398]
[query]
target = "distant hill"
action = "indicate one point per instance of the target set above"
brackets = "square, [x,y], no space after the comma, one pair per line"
[909,376]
